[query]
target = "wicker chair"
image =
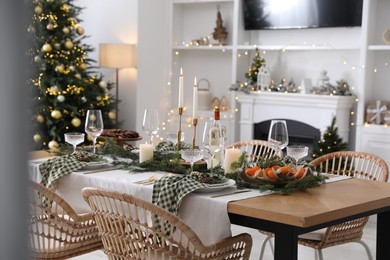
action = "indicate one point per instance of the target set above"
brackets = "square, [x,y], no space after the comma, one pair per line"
[129,228]
[56,231]
[355,164]
[254,149]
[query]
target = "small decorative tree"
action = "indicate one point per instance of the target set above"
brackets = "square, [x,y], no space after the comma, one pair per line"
[331,142]
[251,75]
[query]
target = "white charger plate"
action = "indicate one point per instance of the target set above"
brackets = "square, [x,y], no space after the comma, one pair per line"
[217,186]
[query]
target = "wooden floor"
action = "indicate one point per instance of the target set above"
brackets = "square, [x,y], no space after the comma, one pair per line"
[349,251]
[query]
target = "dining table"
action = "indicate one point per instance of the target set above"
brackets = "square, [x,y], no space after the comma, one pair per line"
[211,215]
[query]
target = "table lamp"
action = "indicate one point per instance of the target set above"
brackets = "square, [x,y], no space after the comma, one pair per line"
[117,56]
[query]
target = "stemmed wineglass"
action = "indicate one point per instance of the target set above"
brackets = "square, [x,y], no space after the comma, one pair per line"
[94,125]
[278,135]
[297,152]
[191,156]
[74,139]
[212,140]
[151,123]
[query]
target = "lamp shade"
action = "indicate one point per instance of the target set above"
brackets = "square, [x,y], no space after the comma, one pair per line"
[116,55]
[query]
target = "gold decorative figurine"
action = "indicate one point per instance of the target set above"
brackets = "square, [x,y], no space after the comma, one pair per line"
[220,34]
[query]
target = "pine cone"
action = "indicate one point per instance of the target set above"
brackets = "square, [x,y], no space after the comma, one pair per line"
[207,180]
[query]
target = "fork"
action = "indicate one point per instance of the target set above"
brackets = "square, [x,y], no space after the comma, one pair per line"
[150,179]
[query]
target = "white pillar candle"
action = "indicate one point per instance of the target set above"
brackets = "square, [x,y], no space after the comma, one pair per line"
[181,89]
[145,152]
[195,101]
[231,155]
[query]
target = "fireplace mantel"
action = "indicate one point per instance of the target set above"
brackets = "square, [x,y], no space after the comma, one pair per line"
[314,110]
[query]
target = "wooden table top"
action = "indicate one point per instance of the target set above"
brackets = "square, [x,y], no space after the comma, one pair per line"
[314,206]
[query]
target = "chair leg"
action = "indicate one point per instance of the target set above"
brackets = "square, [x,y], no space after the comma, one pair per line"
[367,248]
[320,256]
[269,240]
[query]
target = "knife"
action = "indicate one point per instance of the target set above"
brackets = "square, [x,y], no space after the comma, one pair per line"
[229,193]
[100,170]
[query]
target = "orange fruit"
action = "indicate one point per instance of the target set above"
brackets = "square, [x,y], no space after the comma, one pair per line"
[270,173]
[252,171]
[286,169]
[299,172]
[275,167]
[260,175]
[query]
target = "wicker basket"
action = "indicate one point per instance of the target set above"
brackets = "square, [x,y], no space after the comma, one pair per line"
[276,177]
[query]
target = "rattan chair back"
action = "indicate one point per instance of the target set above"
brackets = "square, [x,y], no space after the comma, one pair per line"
[132,228]
[56,231]
[255,149]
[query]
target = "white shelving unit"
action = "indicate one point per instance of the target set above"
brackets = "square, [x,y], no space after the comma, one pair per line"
[350,54]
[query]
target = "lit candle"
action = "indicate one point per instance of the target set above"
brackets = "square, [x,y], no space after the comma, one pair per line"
[231,155]
[181,90]
[145,152]
[195,101]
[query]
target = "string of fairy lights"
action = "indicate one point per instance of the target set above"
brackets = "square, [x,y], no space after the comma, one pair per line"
[245,52]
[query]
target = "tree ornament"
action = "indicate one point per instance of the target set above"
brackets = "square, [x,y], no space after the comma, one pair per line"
[112,115]
[47,47]
[53,145]
[69,44]
[54,88]
[59,68]
[37,138]
[71,68]
[38,10]
[76,122]
[56,114]
[40,119]
[77,76]
[37,59]
[31,29]
[99,98]
[61,98]
[82,66]
[66,30]
[80,30]
[103,84]
[84,99]
[89,138]
[57,46]
[50,26]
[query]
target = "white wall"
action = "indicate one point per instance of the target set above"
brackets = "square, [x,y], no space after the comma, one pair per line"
[107,21]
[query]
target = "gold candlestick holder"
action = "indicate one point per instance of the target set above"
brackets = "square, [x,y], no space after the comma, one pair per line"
[194,123]
[179,131]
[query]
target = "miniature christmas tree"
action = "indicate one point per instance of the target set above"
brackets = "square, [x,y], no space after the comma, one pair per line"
[62,81]
[251,75]
[331,142]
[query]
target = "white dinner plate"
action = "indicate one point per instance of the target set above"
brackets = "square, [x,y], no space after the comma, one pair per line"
[104,162]
[217,186]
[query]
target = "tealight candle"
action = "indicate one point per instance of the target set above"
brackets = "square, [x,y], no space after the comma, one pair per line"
[145,152]
[231,155]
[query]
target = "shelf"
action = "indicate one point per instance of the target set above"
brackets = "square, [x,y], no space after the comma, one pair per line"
[297,47]
[200,1]
[375,129]
[379,47]
[208,48]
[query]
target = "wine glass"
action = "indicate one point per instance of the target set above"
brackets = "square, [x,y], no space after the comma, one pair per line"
[212,140]
[191,156]
[94,125]
[297,152]
[172,137]
[278,135]
[151,123]
[74,139]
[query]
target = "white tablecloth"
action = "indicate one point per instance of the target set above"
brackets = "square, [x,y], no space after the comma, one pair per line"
[205,215]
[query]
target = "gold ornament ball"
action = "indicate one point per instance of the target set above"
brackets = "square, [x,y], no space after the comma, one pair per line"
[38,10]
[66,30]
[61,98]
[69,44]
[59,68]
[89,138]
[56,114]
[37,138]
[112,115]
[76,122]
[47,47]
[40,119]
[80,30]
[82,66]
[50,26]
[57,46]
[37,59]
[103,84]
[53,145]
[77,75]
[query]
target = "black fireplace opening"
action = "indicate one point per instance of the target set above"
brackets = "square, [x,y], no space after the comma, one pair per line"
[298,133]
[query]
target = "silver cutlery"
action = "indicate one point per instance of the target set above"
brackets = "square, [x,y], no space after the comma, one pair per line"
[100,170]
[229,193]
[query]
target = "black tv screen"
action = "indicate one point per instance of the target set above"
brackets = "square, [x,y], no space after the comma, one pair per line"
[297,14]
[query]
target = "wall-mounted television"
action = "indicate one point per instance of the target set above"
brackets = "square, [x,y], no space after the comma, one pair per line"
[298,14]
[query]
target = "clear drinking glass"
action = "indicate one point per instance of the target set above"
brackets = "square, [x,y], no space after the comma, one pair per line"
[278,135]
[94,125]
[173,137]
[151,123]
[297,152]
[74,139]
[212,140]
[191,156]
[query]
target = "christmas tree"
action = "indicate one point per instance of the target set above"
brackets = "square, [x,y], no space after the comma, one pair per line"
[63,82]
[331,142]
[251,75]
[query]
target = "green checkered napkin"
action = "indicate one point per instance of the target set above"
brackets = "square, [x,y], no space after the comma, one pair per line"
[55,168]
[168,193]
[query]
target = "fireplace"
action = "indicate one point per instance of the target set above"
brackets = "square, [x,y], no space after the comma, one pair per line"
[308,115]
